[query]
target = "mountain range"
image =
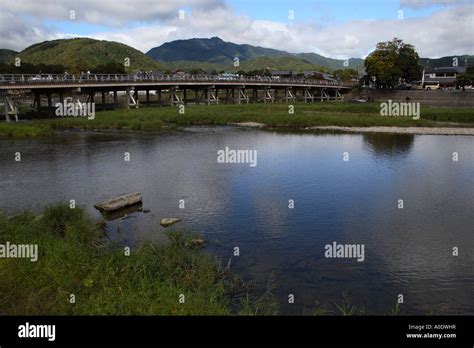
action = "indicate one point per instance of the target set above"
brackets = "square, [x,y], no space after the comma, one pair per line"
[216,50]
[206,54]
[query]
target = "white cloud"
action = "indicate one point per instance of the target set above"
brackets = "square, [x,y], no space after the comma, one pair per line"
[446,32]
[107,12]
[433,36]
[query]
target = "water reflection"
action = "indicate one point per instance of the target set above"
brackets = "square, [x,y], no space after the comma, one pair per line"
[407,250]
[388,145]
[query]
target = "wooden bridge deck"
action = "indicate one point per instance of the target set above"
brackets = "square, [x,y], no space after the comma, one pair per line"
[169,89]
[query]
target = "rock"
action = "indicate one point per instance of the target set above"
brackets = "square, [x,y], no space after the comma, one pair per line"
[169,221]
[146,211]
[197,242]
[119,202]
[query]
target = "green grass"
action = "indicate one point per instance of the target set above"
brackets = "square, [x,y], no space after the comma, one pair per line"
[75,258]
[271,114]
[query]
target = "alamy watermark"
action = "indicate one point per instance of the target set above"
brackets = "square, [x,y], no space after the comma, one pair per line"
[393,108]
[27,251]
[237,156]
[347,251]
[28,330]
[76,109]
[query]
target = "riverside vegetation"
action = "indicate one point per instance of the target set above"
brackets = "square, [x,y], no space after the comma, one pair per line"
[274,115]
[76,258]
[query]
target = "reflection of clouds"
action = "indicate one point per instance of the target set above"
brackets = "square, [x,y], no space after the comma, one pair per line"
[353,202]
[413,246]
[271,212]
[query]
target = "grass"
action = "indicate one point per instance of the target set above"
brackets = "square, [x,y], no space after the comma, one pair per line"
[270,114]
[75,258]
[347,308]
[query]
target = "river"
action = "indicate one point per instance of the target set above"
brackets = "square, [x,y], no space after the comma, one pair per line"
[407,251]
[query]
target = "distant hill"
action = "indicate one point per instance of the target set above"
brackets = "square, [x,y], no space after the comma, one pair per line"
[215,50]
[206,54]
[86,54]
[7,55]
[290,63]
[193,65]
[294,64]
[447,61]
[183,53]
[331,63]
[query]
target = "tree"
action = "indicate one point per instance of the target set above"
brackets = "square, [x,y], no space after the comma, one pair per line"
[345,74]
[109,68]
[392,62]
[466,79]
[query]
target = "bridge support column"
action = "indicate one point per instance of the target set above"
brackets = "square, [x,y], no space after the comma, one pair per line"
[103,99]
[61,97]
[244,95]
[5,103]
[158,92]
[9,108]
[239,91]
[255,95]
[50,103]
[147,98]
[127,94]
[135,97]
[185,96]
[37,101]
[115,100]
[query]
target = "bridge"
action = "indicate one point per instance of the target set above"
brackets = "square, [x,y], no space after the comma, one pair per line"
[160,89]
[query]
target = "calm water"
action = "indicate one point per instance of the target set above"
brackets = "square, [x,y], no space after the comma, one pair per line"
[407,251]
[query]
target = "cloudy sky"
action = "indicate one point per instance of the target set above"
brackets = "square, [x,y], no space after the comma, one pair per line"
[333,28]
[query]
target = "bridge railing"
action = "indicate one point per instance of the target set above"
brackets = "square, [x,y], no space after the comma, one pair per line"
[154,77]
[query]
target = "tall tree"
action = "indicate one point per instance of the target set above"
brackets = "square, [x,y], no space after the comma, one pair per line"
[392,62]
[466,79]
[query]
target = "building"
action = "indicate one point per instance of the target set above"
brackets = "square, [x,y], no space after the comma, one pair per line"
[445,76]
[318,75]
[283,74]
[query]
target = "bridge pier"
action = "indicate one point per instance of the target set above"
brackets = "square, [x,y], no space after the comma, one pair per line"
[37,101]
[9,108]
[5,104]
[158,96]
[127,94]
[254,95]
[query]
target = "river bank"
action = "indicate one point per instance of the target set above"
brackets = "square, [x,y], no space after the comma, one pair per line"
[78,271]
[233,205]
[272,115]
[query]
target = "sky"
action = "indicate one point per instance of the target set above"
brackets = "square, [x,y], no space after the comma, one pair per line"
[333,28]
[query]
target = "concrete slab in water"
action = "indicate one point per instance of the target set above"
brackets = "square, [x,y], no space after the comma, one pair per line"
[119,202]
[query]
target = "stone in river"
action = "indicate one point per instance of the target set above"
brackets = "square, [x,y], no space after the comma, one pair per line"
[169,221]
